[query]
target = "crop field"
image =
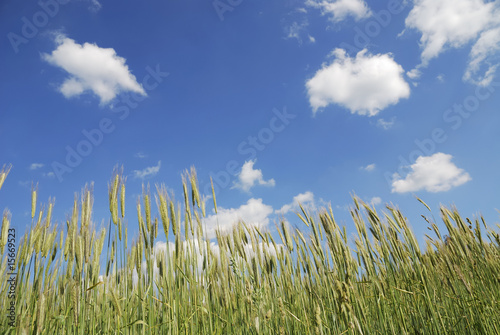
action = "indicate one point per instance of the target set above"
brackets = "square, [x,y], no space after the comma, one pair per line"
[81,279]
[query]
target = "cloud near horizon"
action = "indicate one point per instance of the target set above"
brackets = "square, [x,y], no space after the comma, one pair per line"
[253,213]
[306,199]
[434,174]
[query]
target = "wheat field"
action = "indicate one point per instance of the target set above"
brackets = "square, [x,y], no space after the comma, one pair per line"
[77,278]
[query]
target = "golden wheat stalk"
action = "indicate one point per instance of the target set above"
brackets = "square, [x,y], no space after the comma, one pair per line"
[5,230]
[3,174]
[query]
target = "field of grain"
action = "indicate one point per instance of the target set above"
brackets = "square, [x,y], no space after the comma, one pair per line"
[85,280]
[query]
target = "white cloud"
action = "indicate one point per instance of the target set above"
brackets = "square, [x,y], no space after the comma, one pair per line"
[24,183]
[414,73]
[375,201]
[305,199]
[253,213]
[147,172]
[481,56]
[49,175]
[338,10]
[386,124]
[454,24]
[140,155]
[249,176]
[369,167]
[298,31]
[91,68]
[434,173]
[365,84]
[295,31]
[35,166]
[95,5]
[192,249]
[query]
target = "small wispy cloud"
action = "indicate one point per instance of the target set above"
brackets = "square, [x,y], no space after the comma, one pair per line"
[147,172]
[140,155]
[297,31]
[24,183]
[95,6]
[369,167]
[386,124]
[49,175]
[35,166]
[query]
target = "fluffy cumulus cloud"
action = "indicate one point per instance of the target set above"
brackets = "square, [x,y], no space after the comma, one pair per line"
[454,24]
[249,177]
[339,10]
[253,213]
[434,173]
[364,84]
[375,201]
[147,172]
[305,199]
[92,69]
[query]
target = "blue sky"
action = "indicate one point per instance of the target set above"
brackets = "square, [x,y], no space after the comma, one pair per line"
[298,100]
